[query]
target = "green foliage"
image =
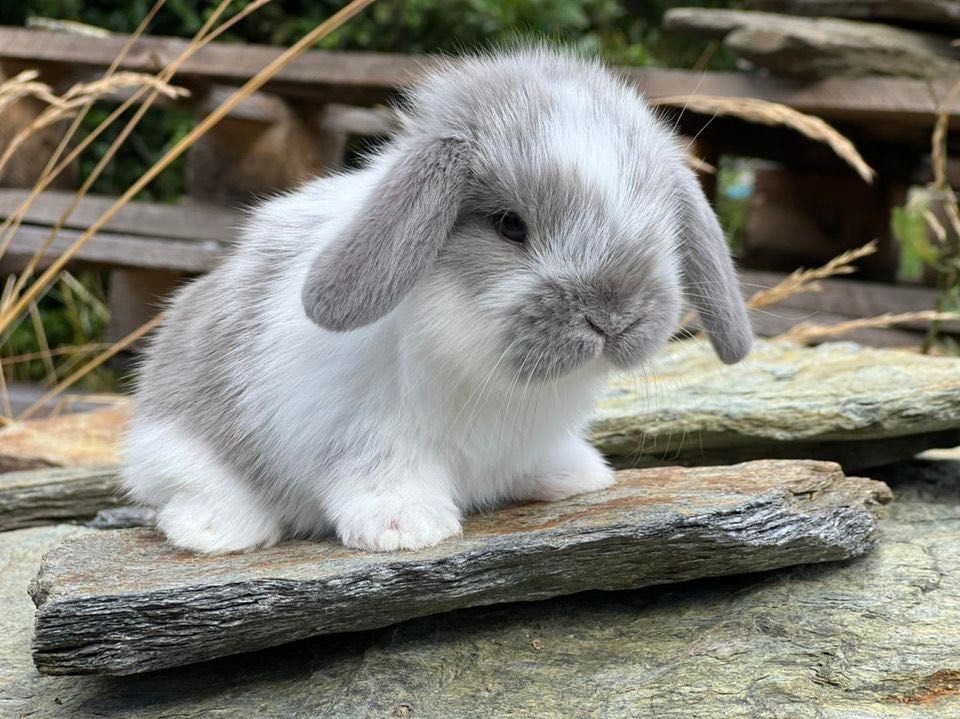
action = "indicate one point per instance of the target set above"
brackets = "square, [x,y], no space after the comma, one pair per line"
[157,132]
[929,248]
[69,321]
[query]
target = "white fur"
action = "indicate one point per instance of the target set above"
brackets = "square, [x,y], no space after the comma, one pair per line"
[461,436]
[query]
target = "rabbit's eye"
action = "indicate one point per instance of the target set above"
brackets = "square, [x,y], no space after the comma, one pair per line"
[511,227]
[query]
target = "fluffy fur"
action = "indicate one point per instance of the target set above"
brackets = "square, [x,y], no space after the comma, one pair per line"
[374,358]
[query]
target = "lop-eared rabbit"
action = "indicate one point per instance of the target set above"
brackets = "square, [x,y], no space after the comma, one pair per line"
[388,348]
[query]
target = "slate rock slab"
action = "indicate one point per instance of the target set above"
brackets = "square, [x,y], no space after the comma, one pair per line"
[820,47]
[840,402]
[872,638]
[48,496]
[123,602]
[938,15]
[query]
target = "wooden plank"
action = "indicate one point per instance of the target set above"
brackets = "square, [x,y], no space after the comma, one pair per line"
[117,250]
[163,607]
[773,321]
[841,300]
[848,297]
[151,219]
[369,78]
[345,77]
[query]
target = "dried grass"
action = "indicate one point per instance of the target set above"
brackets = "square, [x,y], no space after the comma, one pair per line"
[16,303]
[205,35]
[87,368]
[808,331]
[775,114]
[947,245]
[25,85]
[54,352]
[801,281]
[77,97]
[698,165]
[20,303]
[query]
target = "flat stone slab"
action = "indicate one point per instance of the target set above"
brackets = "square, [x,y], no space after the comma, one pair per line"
[820,47]
[122,602]
[49,496]
[940,15]
[82,439]
[840,402]
[872,638]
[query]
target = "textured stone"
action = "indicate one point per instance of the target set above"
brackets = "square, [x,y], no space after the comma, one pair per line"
[857,406]
[820,47]
[940,15]
[48,496]
[123,602]
[85,439]
[874,638]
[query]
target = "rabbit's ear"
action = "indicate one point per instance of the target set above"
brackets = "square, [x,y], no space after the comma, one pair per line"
[394,239]
[709,277]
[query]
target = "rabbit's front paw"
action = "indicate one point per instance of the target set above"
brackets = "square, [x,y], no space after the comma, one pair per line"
[226,524]
[385,523]
[575,468]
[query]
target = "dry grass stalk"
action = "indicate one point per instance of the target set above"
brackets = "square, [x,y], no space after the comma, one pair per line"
[52,169]
[41,336]
[54,352]
[772,113]
[203,36]
[947,248]
[78,96]
[115,348]
[255,83]
[24,85]
[801,281]
[808,331]
[698,165]
[67,402]
[11,312]
[938,153]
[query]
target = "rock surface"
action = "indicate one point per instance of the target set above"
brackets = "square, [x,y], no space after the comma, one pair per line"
[820,47]
[123,602]
[85,439]
[48,496]
[857,406]
[874,638]
[940,15]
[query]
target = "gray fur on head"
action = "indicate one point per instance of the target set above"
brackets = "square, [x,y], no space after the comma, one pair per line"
[389,347]
[510,133]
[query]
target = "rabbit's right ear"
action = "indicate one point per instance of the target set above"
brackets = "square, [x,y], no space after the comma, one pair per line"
[394,239]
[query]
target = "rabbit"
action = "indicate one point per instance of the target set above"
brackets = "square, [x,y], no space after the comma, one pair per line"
[391,347]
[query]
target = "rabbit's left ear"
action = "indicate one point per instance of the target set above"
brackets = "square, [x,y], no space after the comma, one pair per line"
[709,277]
[394,238]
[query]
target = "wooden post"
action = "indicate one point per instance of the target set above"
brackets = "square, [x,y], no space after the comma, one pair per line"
[136,297]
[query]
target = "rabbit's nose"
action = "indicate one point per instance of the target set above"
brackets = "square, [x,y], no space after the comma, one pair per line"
[610,324]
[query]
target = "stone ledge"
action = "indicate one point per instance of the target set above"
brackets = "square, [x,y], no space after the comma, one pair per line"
[124,602]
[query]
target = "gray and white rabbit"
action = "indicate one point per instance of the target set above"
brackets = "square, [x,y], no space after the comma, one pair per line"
[389,348]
